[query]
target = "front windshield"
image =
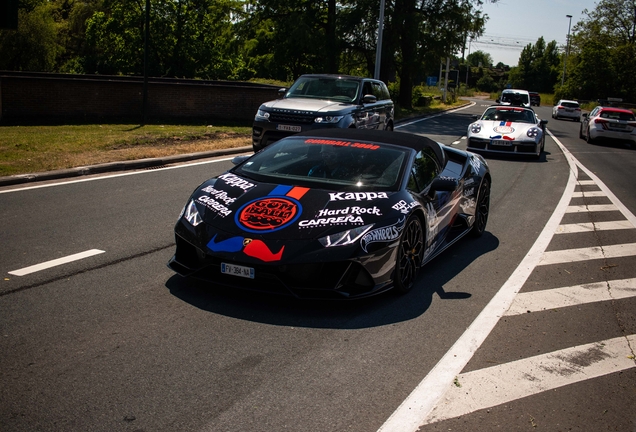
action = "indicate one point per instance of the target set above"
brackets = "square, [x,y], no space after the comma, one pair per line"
[518,115]
[338,89]
[327,163]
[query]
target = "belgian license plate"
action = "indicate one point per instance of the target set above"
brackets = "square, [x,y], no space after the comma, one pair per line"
[237,270]
[501,143]
[288,128]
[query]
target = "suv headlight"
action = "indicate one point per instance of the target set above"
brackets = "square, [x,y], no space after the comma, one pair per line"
[345,238]
[261,115]
[328,119]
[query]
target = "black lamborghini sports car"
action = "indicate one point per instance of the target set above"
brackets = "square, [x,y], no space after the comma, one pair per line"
[335,213]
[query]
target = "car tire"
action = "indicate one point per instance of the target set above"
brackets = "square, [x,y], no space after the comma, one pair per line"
[588,138]
[581,132]
[482,209]
[409,255]
[389,127]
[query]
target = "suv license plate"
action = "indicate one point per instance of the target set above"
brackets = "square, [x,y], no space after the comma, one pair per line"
[237,270]
[288,128]
[501,143]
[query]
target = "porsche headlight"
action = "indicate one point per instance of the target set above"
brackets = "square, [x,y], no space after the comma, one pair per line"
[345,238]
[261,115]
[475,128]
[191,214]
[328,119]
[533,132]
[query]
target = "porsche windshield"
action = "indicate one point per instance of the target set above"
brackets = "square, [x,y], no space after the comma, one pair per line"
[518,115]
[328,163]
[338,89]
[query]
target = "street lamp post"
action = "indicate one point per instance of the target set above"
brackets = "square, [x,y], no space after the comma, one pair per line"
[378,48]
[567,50]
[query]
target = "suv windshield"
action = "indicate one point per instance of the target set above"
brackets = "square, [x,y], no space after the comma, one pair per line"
[338,89]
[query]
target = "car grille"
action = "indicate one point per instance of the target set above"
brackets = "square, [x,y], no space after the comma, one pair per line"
[276,117]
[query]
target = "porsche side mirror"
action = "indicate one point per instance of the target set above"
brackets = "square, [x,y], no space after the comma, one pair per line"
[475,117]
[543,122]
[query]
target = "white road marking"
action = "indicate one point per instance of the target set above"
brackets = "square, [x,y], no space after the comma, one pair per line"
[414,411]
[588,194]
[591,253]
[496,385]
[594,226]
[56,262]
[556,298]
[591,208]
[415,408]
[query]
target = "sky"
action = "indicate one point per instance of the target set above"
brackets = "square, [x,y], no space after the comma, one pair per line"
[513,24]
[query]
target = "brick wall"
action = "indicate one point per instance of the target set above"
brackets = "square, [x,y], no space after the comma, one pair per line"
[58,98]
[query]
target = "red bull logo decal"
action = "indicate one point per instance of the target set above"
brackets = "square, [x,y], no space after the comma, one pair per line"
[277,210]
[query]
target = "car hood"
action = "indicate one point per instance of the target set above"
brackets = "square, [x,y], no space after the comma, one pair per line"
[232,205]
[307,105]
[503,130]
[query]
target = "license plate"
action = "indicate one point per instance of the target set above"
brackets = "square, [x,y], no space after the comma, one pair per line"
[288,128]
[501,143]
[618,125]
[237,270]
[569,110]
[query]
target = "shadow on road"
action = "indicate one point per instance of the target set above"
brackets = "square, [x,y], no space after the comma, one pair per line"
[387,308]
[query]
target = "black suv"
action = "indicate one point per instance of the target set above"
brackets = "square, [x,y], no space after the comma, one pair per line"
[323,101]
[535,98]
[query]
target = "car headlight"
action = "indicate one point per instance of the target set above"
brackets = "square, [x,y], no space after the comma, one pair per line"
[328,119]
[345,238]
[261,115]
[191,214]
[533,132]
[475,128]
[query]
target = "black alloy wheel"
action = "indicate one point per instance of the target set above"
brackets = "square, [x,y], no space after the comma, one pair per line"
[482,209]
[409,257]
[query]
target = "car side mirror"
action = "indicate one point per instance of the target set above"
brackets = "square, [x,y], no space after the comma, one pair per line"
[497,100]
[543,122]
[475,117]
[369,99]
[584,115]
[443,184]
[240,159]
[281,92]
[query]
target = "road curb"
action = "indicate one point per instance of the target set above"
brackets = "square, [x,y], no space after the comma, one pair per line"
[117,166]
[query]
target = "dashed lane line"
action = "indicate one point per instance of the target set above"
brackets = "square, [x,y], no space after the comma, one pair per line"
[56,262]
[536,301]
[489,387]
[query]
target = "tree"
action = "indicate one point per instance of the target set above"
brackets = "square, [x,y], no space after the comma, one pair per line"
[603,53]
[477,57]
[538,67]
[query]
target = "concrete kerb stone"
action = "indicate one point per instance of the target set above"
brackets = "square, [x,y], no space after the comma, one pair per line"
[117,166]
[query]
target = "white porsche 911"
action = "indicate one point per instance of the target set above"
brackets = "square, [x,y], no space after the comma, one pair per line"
[507,129]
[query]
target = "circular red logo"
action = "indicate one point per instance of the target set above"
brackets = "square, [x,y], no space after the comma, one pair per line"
[268,214]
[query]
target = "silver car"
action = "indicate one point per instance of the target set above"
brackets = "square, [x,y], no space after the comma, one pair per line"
[323,101]
[567,109]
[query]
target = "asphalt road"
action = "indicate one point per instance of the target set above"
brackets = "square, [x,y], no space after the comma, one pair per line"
[117,342]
